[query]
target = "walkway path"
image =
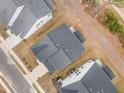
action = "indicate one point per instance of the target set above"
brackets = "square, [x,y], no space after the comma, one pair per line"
[38,72]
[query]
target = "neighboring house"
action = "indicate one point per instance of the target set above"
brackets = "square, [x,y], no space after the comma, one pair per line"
[23,17]
[9,11]
[89,78]
[59,48]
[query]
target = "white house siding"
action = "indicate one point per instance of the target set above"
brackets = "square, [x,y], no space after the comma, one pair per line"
[74,77]
[15,15]
[38,24]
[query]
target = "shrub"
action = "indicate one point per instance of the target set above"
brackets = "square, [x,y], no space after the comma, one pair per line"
[112,22]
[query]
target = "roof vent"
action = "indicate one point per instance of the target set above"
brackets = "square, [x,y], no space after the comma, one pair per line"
[91,89]
[102,91]
[66,50]
[57,44]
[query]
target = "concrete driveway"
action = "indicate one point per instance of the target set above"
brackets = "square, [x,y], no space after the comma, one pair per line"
[13,75]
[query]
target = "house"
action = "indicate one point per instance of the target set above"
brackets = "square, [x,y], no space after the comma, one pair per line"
[89,78]
[35,14]
[9,11]
[59,48]
[23,17]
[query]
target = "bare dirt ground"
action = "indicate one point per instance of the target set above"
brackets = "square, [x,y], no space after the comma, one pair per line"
[96,33]
[99,36]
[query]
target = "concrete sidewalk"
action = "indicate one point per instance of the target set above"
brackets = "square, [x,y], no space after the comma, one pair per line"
[31,77]
[12,53]
[14,41]
[13,75]
[4,85]
[39,71]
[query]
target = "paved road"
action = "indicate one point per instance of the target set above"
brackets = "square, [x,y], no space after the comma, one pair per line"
[97,33]
[13,75]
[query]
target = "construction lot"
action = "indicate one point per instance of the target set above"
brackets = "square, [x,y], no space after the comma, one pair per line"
[92,50]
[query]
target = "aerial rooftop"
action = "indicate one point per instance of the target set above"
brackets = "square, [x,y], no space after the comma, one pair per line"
[20,15]
[58,48]
[89,78]
[32,11]
[7,9]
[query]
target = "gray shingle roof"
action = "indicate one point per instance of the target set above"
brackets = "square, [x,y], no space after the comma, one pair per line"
[44,49]
[59,60]
[58,49]
[23,23]
[48,53]
[64,39]
[77,87]
[68,91]
[95,81]
[99,80]
[108,71]
[50,4]
[32,11]
[7,9]
[19,2]
[79,36]
[39,8]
